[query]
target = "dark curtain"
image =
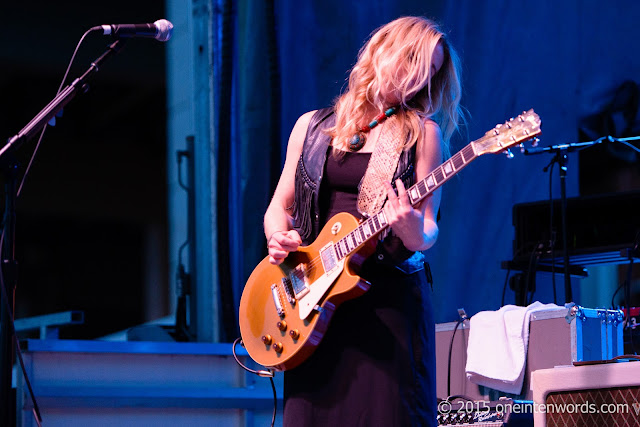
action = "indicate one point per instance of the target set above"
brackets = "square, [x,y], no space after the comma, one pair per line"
[564,59]
[247,116]
[223,55]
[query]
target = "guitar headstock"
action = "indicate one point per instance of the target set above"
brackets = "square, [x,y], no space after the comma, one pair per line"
[522,128]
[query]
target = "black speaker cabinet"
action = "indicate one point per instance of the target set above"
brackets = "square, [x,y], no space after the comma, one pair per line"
[589,395]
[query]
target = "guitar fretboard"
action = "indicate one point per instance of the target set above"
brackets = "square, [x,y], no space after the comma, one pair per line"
[378,222]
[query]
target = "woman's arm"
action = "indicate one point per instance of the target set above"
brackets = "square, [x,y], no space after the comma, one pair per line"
[281,239]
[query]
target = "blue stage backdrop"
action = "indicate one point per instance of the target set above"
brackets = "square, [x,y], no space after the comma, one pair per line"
[563,59]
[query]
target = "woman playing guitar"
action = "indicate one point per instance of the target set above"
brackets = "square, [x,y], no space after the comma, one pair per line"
[375,364]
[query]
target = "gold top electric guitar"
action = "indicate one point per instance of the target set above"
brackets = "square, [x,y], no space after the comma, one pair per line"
[285,309]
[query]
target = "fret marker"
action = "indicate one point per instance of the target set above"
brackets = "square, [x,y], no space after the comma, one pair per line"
[383,219]
[349,244]
[367,229]
[430,182]
[343,246]
[374,221]
[447,168]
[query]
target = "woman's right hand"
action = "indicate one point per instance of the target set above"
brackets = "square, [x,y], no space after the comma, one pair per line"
[281,243]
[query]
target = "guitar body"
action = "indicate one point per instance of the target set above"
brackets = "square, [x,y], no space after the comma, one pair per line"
[275,330]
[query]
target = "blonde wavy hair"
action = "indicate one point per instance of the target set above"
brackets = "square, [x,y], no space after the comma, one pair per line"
[398,57]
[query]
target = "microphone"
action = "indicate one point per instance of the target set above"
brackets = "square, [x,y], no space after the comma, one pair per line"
[159,30]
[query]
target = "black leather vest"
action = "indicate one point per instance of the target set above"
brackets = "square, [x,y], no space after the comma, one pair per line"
[306,208]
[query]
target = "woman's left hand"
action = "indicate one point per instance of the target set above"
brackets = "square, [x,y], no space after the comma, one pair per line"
[407,223]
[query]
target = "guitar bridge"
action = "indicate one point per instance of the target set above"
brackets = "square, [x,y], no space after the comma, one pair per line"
[288,290]
[276,300]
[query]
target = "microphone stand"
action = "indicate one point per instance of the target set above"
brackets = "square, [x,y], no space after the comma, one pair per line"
[560,152]
[8,278]
[8,275]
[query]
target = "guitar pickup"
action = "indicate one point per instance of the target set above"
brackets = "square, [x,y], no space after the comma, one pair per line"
[298,281]
[329,258]
[288,289]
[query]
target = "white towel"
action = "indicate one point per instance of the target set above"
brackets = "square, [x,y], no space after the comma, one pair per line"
[497,348]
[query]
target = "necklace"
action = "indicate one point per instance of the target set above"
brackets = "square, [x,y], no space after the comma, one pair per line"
[359,139]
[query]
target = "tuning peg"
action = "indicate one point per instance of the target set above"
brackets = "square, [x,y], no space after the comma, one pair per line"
[508,153]
[521,148]
[534,142]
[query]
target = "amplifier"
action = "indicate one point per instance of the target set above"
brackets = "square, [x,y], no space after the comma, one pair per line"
[556,337]
[605,394]
[478,413]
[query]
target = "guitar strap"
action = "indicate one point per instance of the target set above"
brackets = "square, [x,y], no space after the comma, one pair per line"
[381,167]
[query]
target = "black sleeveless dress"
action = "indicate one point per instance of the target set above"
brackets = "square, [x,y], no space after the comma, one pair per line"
[376,364]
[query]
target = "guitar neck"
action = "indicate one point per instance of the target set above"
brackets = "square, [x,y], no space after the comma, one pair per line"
[377,223]
[524,127]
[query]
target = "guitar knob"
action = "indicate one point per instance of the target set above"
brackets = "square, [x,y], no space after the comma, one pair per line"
[282,325]
[266,339]
[295,334]
[278,347]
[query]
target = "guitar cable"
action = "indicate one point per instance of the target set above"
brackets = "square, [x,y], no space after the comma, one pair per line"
[265,373]
[463,317]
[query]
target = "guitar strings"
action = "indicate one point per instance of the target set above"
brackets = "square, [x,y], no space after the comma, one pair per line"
[314,263]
